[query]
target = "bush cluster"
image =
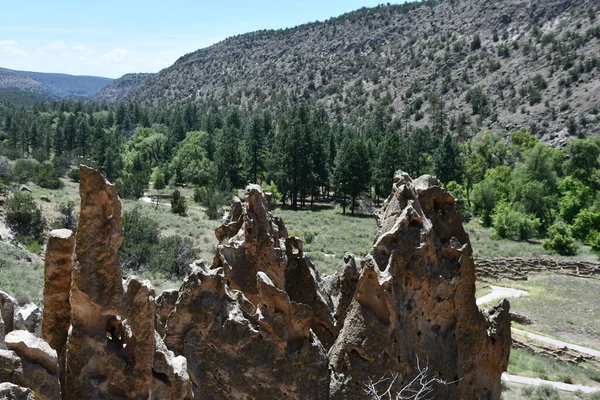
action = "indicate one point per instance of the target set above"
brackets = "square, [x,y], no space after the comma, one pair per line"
[144,249]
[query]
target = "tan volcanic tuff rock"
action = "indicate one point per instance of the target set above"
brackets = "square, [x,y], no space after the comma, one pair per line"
[236,349]
[111,342]
[39,364]
[57,286]
[414,304]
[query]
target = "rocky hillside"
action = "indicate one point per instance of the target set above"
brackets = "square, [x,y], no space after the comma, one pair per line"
[468,63]
[52,86]
[120,88]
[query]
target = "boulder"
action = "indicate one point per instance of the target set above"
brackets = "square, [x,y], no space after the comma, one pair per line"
[39,364]
[29,318]
[45,199]
[8,305]
[10,391]
[24,188]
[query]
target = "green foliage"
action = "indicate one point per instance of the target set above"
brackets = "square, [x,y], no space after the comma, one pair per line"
[351,174]
[213,199]
[144,249]
[190,162]
[574,196]
[141,235]
[178,203]
[545,392]
[459,194]
[593,239]
[25,170]
[560,240]
[73,174]
[448,161]
[585,222]
[67,218]
[47,177]
[25,218]
[173,255]
[132,186]
[271,187]
[512,224]
[158,179]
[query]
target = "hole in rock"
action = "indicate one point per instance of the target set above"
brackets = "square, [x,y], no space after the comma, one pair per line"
[161,377]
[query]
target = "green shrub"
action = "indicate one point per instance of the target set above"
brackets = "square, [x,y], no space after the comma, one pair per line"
[560,240]
[61,164]
[158,177]
[271,187]
[74,174]
[514,225]
[213,200]
[25,218]
[47,177]
[144,249]
[141,234]
[67,218]
[587,220]
[545,392]
[173,255]
[593,240]
[178,203]
[25,170]
[132,186]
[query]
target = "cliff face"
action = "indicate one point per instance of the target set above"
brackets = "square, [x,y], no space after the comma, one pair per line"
[260,322]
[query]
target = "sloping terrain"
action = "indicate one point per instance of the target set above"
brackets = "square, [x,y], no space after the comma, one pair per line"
[52,86]
[496,64]
[120,88]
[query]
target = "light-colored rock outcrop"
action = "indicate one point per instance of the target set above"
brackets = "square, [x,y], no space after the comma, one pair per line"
[29,318]
[8,307]
[10,391]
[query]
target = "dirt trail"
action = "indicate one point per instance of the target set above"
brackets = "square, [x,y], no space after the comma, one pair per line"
[558,385]
[499,292]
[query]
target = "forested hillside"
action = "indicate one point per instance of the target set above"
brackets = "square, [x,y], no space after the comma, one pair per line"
[120,88]
[462,64]
[520,186]
[51,86]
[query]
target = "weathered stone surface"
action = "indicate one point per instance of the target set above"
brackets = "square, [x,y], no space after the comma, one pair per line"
[29,318]
[8,306]
[111,342]
[414,302]
[237,349]
[11,366]
[232,221]
[57,286]
[171,379]
[39,364]
[10,391]
[2,334]
[165,303]
[32,348]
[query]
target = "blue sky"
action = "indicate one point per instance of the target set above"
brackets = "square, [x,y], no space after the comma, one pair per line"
[111,38]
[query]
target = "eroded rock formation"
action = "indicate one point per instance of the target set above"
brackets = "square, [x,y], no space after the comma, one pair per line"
[259,322]
[414,303]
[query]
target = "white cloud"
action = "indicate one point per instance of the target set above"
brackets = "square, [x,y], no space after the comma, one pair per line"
[82,48]
[116,55]
[15,51]
[56,45]
[6,43]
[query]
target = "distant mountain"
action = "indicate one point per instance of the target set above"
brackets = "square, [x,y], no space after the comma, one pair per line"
[466,64]
[120,88]
[52,86]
